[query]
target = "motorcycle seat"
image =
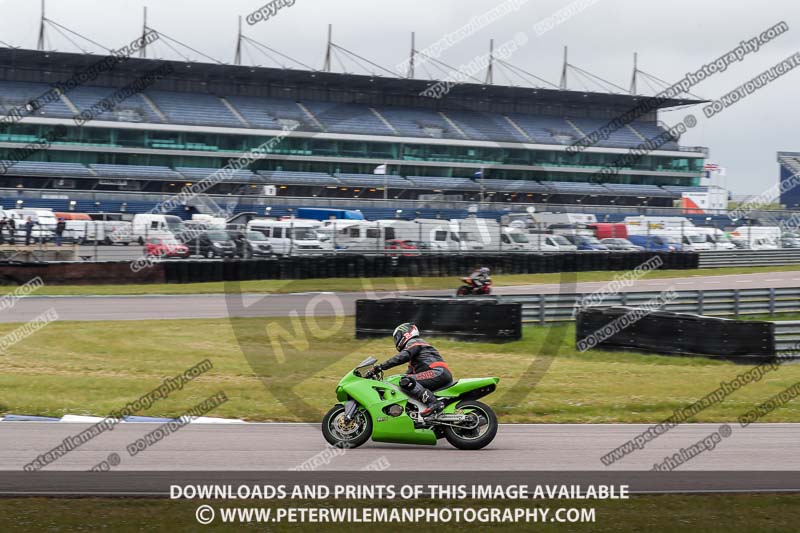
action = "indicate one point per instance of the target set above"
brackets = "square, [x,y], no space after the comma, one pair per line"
[446,385]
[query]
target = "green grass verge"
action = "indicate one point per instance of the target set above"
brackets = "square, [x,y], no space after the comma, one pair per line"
[678,513]
[374,284]
[97,367]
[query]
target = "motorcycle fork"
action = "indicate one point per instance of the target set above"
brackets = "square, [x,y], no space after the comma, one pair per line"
[350,409]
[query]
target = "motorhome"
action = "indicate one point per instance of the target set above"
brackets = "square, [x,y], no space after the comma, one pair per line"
[98,232]
[357,235]
[291,237]
[548,219]
[149,225]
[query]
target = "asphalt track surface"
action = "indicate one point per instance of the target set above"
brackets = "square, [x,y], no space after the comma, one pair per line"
[158,307]
[517,447]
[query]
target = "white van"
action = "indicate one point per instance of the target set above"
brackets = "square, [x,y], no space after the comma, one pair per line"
[516,240]
[44,221]
[291,237]
[716,238]
[146,226]
[759,237]
[548,242]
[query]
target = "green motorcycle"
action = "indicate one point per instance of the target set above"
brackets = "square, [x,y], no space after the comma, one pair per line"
[378,408]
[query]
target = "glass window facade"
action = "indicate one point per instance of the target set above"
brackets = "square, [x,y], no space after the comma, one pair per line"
[493,158]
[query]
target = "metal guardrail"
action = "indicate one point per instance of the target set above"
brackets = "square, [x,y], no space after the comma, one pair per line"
[787,336]
[548,308]
[727,258]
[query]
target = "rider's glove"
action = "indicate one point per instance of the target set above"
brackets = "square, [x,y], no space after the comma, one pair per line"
[373,371]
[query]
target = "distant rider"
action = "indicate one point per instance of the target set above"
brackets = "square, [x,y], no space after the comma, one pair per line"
[480,277]
[426,369]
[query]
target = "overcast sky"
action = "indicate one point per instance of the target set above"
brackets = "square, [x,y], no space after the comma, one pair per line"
[671,38]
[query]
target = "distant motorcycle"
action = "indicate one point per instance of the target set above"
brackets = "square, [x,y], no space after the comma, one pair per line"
[471,289]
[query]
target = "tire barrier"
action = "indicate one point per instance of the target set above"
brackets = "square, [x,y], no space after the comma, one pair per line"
[674,333]
[350,266]
[360,266]
[78,273]
[465,318]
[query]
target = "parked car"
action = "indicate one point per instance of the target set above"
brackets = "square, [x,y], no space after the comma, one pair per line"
[250,244]
[658,243]
[211,244]
[408,248]
[623,245]
[790,242]
[165,247]
[586,242]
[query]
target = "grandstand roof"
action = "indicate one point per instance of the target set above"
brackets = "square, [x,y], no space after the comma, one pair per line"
[43,66]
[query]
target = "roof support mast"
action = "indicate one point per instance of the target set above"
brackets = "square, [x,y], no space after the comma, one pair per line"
[411,59]
[635,72]
[564,72]
[490,67]
[327,66]
[40,43]
[143,49]
[237,58]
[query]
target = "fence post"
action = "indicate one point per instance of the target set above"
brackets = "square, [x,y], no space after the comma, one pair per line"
[541,309]
[736,303]
[772,301]
[700,296]
[378,239]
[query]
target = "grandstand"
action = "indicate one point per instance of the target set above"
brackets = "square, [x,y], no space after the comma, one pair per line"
[789,168]
[192,123]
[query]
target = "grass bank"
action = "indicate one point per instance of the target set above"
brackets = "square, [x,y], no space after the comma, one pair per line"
[97,367]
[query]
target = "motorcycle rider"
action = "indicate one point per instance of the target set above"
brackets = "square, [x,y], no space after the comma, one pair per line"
[426,368]
[479,277]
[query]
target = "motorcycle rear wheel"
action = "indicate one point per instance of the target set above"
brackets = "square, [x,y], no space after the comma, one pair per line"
[342,435]
[463,291]
[478,437]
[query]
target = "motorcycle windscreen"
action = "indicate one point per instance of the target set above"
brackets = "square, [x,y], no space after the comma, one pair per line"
[369,361]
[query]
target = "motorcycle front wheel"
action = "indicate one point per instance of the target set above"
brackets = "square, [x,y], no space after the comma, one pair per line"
[478,432]
[342,434]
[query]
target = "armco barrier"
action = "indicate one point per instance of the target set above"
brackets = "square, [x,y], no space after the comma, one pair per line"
[727,258]
[674,333]
[464,318]
[545,308]
[787,337]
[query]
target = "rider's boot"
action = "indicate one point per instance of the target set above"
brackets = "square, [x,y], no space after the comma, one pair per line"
[433,405]
[420,393]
